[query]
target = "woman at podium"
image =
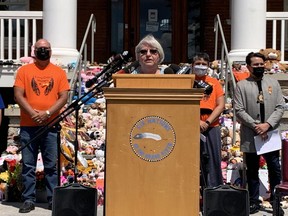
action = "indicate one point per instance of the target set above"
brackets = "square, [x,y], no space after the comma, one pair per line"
[150,55]
[211,106]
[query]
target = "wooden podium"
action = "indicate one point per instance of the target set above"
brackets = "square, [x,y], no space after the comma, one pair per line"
[152,149]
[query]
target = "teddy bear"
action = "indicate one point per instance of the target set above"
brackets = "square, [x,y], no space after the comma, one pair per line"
[273,58]
[214,69]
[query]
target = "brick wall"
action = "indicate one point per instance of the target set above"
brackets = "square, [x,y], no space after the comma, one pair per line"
[101,9]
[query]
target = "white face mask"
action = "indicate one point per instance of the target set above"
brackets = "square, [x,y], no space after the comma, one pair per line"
[200,70]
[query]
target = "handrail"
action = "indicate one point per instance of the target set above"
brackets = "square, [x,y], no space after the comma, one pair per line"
[77,69]
[228,66]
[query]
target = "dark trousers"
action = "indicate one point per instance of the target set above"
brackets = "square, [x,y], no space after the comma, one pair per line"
[274,173]
[210,158]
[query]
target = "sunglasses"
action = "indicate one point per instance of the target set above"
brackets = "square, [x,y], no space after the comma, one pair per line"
[145,51]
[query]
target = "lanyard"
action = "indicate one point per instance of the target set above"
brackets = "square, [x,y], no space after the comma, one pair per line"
[260,100]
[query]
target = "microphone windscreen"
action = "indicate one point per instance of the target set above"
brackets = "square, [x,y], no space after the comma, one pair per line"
[174,67]
[131,67]
[90,83]
[168,70]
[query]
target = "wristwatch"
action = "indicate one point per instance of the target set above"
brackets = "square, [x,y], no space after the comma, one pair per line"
[48,113]
[207,122]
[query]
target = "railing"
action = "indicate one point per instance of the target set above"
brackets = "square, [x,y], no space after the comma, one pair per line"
[226,65]
[82,63]
[282,18]
[15,34]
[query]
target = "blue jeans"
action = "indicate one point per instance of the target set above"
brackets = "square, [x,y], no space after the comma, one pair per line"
[47,144]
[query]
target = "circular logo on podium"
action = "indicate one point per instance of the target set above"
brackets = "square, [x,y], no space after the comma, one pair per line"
[152,138]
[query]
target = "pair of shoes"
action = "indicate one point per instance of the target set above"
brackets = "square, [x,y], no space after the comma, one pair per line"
[27,207]
[50,206]
[254,208]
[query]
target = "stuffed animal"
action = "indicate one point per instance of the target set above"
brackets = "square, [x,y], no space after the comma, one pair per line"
[214,66]
[240,71]
[272,63]
[28,59]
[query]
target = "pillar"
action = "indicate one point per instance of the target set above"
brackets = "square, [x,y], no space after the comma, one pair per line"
[248,27]
[60,29]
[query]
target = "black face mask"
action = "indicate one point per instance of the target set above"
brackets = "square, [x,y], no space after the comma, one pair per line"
[43,53]
[258,71]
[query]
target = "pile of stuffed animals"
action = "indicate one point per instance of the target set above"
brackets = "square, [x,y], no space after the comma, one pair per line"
[91,135]
[273,61]
[91,148]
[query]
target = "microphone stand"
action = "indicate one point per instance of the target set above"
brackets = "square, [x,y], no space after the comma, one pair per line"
[74,106]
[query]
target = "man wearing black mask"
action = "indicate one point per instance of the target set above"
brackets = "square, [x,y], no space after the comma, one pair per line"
[259,108]
[41,90]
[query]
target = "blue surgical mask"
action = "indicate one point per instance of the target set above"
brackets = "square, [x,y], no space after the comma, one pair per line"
[200,70]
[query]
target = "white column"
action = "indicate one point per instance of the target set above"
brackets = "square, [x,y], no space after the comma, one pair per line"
[60,29]
[248,28]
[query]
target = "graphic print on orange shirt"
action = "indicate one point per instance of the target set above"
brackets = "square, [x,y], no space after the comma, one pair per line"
[45,83]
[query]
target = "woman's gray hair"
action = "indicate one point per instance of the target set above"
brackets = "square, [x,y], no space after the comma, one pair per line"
[150,41]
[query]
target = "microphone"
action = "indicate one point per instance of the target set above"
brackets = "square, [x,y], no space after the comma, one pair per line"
[174,67]
[180,70]
[184,70]
[168,70]
[203,85]
[111,68]
[129,69]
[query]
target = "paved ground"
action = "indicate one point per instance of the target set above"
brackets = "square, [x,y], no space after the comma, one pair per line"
[11,209]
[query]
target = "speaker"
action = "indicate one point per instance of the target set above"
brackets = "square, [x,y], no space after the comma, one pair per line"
[74,200]
[225,200]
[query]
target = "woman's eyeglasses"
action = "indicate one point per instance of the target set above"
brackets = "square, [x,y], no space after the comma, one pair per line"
[145,51]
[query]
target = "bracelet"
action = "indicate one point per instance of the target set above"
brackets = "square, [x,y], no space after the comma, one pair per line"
[207,122]
[48,113]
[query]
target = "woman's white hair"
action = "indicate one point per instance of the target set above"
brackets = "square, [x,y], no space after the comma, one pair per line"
[150,41]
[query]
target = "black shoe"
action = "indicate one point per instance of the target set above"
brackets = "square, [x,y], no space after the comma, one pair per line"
[26,207]
[50,206]
[254,208]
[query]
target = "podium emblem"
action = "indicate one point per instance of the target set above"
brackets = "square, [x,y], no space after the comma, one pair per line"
[152,138]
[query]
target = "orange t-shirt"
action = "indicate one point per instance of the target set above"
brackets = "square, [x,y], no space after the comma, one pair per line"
[41,88]
[209,101]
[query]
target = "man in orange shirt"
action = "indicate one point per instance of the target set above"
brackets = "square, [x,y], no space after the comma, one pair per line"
[41,90]
[211,106]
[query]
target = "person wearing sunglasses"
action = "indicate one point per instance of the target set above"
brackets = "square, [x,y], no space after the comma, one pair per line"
[41,90]
[150,55]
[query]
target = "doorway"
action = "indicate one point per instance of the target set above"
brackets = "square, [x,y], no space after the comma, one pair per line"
[175,23]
